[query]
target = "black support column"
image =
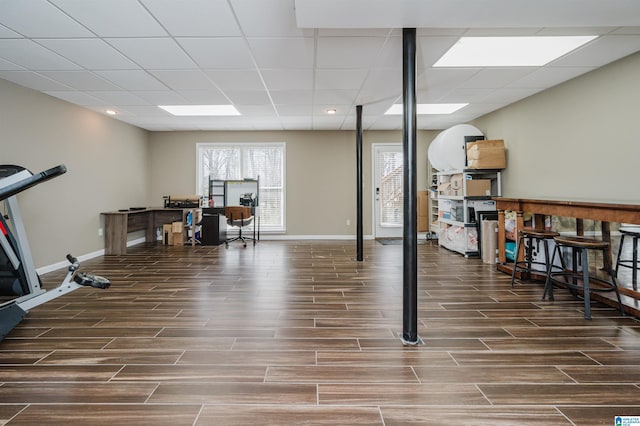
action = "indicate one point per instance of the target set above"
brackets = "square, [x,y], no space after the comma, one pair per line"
[359,228]
[410,230]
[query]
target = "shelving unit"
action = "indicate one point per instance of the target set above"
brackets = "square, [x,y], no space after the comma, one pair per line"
[434,224]
[216,193]
[461,193]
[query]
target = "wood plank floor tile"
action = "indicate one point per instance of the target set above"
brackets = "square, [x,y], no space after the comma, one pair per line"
[562,394]
[107,356]
[292,415]
[405,394]
[491,374]
[57,373]
[248,358]
[341,374]
[600,415]
[108,414]
[190,373]
[477,416]
[524,358]
[235,393]
[74,393]
[387,358]
[9,411]
[604,373]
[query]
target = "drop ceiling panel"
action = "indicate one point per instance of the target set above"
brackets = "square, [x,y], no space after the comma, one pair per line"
[118,98]
[7,33]
[33,80]
[495,78]
[184,79]
[89,53]
[247,79]
[80,80]
[204,97]
[134,80]
[295,97]
[32,56]
[430,49]
[44,19]
[548,77]
[9,66]
[343,79]
[335,97]
[348,52]
[113,18]
[79,98]
[283,52]
[279,79]
[248,97]
[160,97]
[153,53]
[218,52]
[601,51]
[194,17]
[273,18]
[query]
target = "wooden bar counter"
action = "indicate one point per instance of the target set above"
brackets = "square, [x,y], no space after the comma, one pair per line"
[602,211]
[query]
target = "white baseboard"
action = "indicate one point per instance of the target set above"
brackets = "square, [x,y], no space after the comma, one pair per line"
[311,237]
[64,264]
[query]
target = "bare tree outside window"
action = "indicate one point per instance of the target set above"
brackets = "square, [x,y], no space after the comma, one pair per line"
[248,161]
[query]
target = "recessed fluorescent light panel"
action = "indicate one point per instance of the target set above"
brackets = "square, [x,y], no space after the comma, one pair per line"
[200,110]
[509,51]
[426,109]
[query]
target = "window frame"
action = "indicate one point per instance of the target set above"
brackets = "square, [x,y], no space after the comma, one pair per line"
[201,185]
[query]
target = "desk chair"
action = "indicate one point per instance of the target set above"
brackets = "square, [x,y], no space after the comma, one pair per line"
[239,217]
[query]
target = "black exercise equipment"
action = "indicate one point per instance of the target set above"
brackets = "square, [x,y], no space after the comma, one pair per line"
[18,275]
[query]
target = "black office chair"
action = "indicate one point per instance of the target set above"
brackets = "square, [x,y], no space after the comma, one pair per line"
[239,217]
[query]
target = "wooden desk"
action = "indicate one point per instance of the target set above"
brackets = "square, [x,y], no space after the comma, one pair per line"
[118,224]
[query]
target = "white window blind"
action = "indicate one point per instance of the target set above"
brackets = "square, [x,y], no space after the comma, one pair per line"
[265,162]
[391,188]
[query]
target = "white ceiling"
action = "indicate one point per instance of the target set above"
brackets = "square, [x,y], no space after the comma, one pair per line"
[283,63]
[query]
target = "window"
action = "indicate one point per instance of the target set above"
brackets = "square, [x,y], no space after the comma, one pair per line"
[223,161]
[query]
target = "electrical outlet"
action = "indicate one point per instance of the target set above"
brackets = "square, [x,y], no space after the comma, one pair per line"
[100,232]
[348,222]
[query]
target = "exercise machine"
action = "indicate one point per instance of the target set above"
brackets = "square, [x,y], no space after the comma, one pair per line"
[18,275]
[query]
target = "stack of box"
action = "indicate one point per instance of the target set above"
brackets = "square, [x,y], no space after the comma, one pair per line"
[172,234]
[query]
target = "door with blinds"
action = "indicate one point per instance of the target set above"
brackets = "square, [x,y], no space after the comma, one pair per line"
[388,190]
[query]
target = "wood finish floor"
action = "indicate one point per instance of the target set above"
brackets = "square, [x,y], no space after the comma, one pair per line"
[292,332]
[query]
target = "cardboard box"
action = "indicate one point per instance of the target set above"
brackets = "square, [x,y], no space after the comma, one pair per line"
[489,154]
[167,234]
[478,187]
[176,229]
[444,189]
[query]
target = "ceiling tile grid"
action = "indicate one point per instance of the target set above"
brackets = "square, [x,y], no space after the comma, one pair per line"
[284,63]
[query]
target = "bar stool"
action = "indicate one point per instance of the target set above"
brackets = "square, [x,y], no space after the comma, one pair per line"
[570,279]
[531,235]
[632,232]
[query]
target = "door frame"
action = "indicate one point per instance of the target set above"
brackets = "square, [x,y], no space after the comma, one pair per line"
[397,231]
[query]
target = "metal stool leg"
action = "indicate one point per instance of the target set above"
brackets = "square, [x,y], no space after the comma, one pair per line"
[634,265]
[619,254]
[548,285]
[585,284]
[515,261]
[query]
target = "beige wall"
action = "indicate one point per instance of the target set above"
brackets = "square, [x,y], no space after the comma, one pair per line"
[106,161]
[320,173]
[578,140]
